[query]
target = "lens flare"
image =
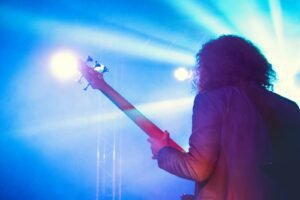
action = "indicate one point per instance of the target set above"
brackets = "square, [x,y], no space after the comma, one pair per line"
[182,74]
[64,65]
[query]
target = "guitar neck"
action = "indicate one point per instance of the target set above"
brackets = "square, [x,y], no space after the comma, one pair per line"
[136,116]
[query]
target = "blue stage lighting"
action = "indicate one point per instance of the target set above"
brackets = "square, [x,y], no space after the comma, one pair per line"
[202,16]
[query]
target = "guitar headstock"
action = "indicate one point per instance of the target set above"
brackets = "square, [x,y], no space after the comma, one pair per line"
[92,73]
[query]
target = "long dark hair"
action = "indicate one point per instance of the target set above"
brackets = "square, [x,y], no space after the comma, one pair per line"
[231,60]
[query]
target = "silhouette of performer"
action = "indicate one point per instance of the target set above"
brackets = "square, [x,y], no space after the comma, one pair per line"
[245,140]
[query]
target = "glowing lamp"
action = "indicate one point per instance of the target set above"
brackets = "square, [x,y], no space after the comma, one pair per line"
[182,74]
[64,65]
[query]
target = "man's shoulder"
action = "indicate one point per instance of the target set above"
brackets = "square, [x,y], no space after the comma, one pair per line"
[282,102]
[281,99]
[221,96]
[228,91]
[218,93]
[215,97]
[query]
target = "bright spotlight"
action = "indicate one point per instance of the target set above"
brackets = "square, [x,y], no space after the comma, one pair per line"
[64,65]
[182,74]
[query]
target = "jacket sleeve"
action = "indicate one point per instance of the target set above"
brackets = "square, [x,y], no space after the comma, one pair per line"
[198,163]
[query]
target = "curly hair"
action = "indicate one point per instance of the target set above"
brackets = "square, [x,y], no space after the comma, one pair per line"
[230,60]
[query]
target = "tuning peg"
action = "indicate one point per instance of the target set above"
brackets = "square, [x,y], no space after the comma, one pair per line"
[80,79]
[89,59]
[86,87]
[96,64]
[100,68]
[105,69]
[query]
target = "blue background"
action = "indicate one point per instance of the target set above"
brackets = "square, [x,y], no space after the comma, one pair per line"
[51,130]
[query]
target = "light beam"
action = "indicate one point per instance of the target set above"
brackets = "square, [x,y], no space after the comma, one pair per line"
[202,16]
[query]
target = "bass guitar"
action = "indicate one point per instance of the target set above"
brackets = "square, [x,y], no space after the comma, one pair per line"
[95,79]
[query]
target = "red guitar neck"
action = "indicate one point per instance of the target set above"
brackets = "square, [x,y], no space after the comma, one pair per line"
[136,116]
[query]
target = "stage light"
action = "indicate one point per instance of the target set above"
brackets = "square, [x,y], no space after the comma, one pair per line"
[64,65]
[182,74]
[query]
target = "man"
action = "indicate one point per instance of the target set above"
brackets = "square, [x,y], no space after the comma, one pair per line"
[244,138]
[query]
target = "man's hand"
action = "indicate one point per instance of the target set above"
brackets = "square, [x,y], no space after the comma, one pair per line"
[157,144]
